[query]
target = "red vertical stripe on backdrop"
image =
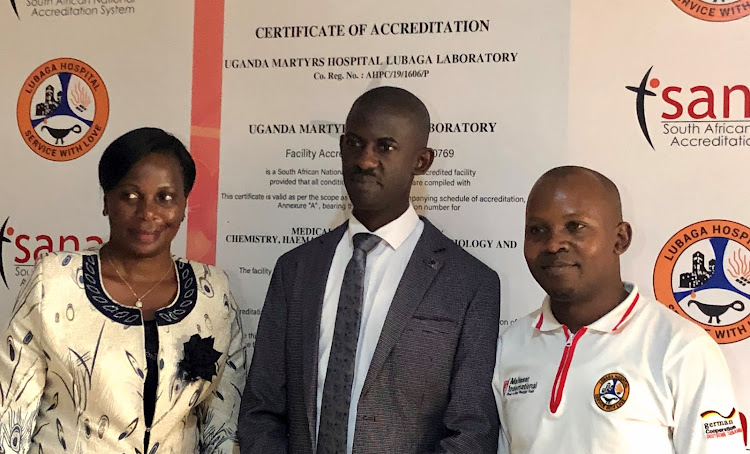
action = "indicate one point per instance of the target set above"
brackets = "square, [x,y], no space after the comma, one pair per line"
[208,49]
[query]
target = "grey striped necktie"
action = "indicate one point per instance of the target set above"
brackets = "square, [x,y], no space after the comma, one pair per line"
[337,390]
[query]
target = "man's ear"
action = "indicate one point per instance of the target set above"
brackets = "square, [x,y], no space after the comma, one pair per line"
[624,236]
[424,161]
[105,211]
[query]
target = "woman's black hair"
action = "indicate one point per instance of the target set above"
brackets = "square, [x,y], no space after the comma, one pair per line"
[122,154]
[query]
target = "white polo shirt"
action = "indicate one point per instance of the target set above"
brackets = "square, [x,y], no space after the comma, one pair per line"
[639,380]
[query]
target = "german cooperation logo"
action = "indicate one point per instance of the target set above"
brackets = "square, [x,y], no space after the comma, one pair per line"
[698,116]
[716,425]
[703,274]
[63,109]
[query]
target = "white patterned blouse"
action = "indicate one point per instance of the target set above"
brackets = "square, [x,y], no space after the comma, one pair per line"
[73,365]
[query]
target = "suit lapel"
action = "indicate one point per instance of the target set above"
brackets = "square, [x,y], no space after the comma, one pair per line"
[423,266]
[312,286]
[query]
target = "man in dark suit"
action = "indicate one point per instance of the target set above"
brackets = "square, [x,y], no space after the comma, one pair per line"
[379,336]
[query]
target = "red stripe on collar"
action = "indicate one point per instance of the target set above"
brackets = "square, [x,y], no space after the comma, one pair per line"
[541,320]
[630,309]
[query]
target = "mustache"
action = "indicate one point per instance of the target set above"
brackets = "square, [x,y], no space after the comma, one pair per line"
[548,259]
[358,171]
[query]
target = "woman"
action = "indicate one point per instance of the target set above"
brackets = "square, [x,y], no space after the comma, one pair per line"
[126,349]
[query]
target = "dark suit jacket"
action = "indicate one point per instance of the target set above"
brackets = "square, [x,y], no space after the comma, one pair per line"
[429,385]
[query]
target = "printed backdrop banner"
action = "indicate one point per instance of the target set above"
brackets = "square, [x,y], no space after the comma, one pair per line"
[495,86]
[638,90]
[75,78]
[664,111]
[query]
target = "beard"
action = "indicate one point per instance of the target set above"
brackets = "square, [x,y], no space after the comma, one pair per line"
[561,294]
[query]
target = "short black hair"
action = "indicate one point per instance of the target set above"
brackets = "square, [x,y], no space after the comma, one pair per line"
[398,101]
[122,154]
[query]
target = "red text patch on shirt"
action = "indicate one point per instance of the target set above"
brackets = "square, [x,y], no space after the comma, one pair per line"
[717,425]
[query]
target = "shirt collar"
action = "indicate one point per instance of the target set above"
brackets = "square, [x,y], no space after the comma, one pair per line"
[394,233]
[610,322]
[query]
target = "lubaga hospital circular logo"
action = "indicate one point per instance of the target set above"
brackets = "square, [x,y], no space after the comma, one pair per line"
[63,109]
[611,392]
[714,10]
[703,274]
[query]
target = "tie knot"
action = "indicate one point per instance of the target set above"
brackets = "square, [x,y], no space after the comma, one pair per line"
[365,241]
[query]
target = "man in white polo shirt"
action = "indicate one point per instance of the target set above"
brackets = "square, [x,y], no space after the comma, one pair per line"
[600,368]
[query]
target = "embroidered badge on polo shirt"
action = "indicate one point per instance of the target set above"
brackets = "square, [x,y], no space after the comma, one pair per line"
[611,392]
[717,425]
[518,385]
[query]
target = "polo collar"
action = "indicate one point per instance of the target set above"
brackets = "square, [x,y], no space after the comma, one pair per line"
[614,320]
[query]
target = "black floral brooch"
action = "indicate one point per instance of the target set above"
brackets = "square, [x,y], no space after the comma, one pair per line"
[199,359]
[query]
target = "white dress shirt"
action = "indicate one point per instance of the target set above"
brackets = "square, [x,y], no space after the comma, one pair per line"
[385,266]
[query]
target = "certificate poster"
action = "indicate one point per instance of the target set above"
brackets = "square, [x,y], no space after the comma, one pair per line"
[493,75]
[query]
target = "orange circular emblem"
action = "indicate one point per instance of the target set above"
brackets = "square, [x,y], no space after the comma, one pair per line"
[611,392]
[703,274]
[728,10]
[63,109]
